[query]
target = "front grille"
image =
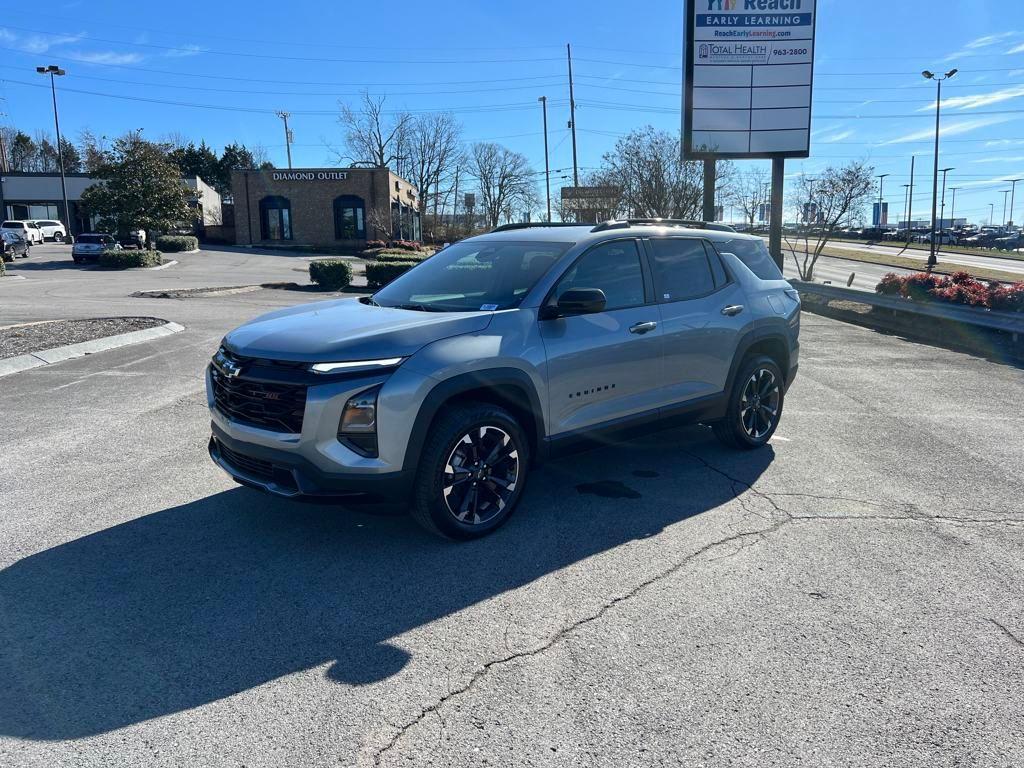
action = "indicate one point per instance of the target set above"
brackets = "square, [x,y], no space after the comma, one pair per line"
[257,468]
[277,407]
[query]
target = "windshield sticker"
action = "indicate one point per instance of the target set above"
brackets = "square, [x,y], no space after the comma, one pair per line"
[488,307]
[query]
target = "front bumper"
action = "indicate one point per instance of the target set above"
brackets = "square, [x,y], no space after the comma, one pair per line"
[290,475]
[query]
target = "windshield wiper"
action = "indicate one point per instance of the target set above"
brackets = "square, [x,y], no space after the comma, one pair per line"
[416,307]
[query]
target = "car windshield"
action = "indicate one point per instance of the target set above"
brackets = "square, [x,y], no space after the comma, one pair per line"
[471,276]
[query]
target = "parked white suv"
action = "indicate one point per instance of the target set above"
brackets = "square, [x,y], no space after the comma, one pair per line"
[27,229]
[52,230]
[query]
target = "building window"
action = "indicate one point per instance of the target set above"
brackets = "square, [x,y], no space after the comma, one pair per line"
[349,218]
[276,218]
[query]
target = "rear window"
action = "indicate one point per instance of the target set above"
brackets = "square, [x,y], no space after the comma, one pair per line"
[92,239]
[754,254]
[13,225]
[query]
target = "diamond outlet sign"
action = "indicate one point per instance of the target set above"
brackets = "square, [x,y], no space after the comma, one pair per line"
[749,68]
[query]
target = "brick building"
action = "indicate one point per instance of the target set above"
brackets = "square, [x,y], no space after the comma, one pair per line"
[323,207]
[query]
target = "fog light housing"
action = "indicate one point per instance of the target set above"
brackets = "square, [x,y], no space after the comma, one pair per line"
[357,428]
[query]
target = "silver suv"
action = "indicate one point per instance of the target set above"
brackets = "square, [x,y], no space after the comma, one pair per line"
[443,389]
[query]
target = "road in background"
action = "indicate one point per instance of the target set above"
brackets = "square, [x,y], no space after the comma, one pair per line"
[850,595]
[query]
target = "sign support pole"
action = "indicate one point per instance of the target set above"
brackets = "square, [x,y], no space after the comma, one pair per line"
[709,190]
[775,226]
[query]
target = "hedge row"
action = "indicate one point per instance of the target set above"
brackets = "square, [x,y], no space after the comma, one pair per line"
[380,273]
[959,288]
[331,274]
[177,243]
[130,259]
[394,258]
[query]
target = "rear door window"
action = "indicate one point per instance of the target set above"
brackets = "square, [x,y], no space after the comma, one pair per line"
[681,269]
[613,268]
[754,254]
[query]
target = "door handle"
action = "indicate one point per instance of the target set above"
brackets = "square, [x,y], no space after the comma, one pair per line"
[642,328]
[732,310]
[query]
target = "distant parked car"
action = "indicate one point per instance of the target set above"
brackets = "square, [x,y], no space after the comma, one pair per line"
[27,229]
[89,247]
[1008,243]
[13,245]
[52,230]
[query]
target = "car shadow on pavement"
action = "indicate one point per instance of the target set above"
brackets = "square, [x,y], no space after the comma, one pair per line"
[194,603]
[48,266]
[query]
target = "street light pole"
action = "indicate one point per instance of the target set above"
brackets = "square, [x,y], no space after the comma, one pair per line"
[932,261]
[287,136]
[952,207]
[54,71]
[1005,193]
[942,212]
[906,204]
[881,181]
[547,168]
[991,212]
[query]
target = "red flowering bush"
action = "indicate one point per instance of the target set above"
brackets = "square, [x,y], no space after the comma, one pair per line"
[891,284]
[371,244]
[405,245]
[959,288]
[1008,298]
[919,287]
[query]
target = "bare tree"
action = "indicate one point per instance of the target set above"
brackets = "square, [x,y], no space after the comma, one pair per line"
[434,152]
[749,192]
[832,195]
[647,167]
[504,180]
[373,135]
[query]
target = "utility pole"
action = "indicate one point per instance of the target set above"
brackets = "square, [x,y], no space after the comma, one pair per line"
[932,261]
[942,213]
[1005,193]
[952,208]
[1013,195]
[910,197]
[287,135]
[54,71]
[906,202]
[572,120]
[547,167]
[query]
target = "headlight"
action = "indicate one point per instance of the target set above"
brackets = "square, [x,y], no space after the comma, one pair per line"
[354,366]
[358,426]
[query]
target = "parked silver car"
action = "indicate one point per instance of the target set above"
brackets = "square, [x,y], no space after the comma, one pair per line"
[446,386]
[88,247]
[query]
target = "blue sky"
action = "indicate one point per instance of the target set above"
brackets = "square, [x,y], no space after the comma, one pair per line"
[488,63]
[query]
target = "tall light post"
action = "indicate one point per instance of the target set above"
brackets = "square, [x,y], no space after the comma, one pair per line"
[942,212]
[547,168]
[54,71]
[881,180]
[952,207]
[906,204]
[287,135]
[1005,192]
[935,176]
[991,212]
[1013,194]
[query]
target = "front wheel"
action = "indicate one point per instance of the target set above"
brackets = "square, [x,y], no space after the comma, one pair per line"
[472,472]
[755,405]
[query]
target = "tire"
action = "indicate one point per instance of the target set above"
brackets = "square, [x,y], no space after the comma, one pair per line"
[755,405]
[466,434]
[58,237]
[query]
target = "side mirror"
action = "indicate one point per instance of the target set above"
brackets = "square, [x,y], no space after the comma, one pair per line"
[579,301]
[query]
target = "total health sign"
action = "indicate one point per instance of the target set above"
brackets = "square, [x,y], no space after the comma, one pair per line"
[749,71]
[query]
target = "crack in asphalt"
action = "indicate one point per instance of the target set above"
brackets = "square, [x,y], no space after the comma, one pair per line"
[745,539]
[1008,633]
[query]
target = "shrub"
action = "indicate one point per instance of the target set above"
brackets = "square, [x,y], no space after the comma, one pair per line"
[331,274]
[380,273]
[394,258]
[405,245]
[891,284]
[3,267]
[130,259]
[372,244]
[972,294]
[177,243]
[1006,298]
[918,286]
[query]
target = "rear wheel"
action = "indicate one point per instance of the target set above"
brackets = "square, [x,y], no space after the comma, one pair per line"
[755,405]
[472,472]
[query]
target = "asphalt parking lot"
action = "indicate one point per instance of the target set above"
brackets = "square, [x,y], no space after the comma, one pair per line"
[851,595]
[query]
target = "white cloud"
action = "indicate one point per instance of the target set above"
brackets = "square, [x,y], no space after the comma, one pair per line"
[43,43]
[1008,177]
[1016,49]
[952,128]
[836,137]
[1017,159]
[107,57]
[1004,143]
[976,100]
[987,40]
[183,51]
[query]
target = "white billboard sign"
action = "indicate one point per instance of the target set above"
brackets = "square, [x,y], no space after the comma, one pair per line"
[749,67]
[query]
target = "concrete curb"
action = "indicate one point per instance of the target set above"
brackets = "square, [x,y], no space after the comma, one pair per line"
[5,278]
[71,351]
[165,265]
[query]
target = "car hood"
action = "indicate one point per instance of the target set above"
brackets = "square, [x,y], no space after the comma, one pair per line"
[347,329]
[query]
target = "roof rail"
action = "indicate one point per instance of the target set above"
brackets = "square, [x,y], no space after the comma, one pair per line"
[625,223]
[533,224]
